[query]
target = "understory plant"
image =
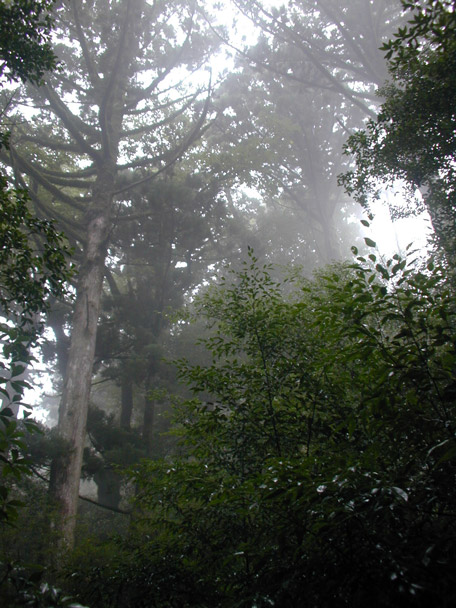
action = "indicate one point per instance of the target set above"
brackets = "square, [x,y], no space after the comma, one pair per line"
[317,456]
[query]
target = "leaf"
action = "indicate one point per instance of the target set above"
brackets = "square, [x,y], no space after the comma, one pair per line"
[382,270]
[369,242]
[401,493]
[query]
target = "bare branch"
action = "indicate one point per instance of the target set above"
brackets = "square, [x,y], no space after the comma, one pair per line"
[72,123]
[174,155]
[28,168]
[82,41]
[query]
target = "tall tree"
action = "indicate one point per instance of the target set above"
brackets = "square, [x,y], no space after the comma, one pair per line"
[123,101]
[298,92]
[291,156]
[156,261]
[152,263]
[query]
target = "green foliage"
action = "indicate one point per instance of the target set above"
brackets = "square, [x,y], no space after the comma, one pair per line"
[24,39]
[413,137]
[33,255]
[22,586]
[13,462]
[318,453]
[433,23]
[33,266]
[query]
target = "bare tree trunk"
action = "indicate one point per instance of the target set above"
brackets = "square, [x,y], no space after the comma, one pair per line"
[108,487]
[126,405]
[148,420]
[66,470]
[56,321]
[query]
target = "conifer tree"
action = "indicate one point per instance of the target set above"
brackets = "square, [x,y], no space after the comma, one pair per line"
[122,100]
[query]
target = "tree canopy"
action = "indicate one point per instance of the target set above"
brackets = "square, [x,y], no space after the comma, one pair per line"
[123,101]
[25,49]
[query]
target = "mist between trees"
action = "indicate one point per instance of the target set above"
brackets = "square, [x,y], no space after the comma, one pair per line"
[256,407]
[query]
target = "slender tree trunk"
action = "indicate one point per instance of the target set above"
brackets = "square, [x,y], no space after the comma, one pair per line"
[66,470]
[149,420]
[56,321]
[108,488]
[326,240]
[126,404]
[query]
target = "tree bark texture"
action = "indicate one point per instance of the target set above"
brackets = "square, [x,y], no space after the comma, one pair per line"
[66,470]
[148,424]
[108,488]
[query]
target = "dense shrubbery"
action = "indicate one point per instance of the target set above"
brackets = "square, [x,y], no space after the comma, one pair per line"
[319,464]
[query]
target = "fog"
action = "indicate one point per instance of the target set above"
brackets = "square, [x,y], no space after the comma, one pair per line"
[193,155]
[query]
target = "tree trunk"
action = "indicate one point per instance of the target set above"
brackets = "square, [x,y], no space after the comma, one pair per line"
[66,470]
[325,235]
[108,488]
[113,88]
[148,420]
[126,404]
[56,321]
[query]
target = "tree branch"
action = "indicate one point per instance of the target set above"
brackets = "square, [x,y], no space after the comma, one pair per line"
[174,156]
[93,75]
[71,122]
[85,498]
[28,168]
